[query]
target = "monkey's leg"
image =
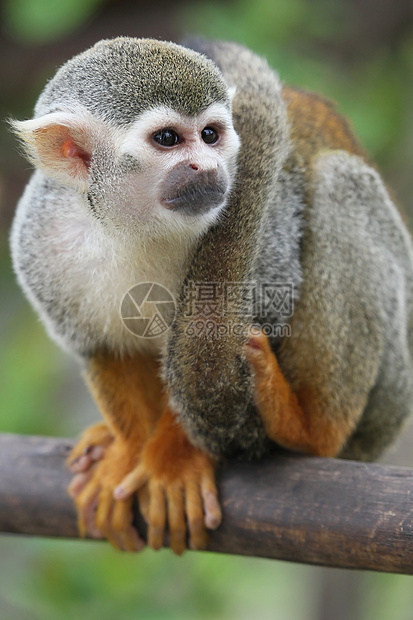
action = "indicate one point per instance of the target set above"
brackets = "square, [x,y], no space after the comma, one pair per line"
[298,422]
[129,394]
[175,482]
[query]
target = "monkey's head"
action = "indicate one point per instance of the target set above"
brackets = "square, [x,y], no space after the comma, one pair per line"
[142,130]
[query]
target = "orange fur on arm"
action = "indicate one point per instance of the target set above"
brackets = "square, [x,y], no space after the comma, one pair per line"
[296,421]
[128,392]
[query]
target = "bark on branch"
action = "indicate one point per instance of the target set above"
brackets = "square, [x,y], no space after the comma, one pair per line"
[302,509]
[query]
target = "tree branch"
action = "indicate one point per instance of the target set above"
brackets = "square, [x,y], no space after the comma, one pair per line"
[302,509]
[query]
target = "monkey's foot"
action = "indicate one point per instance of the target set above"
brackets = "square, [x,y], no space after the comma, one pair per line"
[175,483]
[99,513]
[90,448]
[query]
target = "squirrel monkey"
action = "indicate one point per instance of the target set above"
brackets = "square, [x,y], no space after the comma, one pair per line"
[163,164]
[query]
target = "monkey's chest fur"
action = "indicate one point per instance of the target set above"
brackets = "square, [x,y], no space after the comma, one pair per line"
[76,274]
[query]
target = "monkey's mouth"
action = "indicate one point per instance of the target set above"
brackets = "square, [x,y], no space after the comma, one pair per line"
[195,199]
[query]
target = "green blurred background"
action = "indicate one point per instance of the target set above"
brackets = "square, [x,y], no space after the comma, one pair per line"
[358,53]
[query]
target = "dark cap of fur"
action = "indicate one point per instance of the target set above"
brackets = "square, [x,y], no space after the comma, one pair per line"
[120,78]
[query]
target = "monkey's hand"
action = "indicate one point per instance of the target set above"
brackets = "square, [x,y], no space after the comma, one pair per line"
[175,482]
[89,449]
[298,422]
[100,514]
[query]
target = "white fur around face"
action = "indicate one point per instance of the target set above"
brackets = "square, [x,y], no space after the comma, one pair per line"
[77,270]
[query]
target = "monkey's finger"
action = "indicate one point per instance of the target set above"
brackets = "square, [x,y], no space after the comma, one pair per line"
[89,517]
[85,503]
[122,518]
[78,483]
[84,452]
[131,483]
[96,453]
[89,512]
[259,354]
[195,516]
[86,461]
[176,519]
[103,519]
[81,464]
[157,516]
[257,346]
[212,508]
[259,340]
[143,500]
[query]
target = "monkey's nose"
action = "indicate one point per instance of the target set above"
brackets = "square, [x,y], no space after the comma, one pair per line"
[191,189]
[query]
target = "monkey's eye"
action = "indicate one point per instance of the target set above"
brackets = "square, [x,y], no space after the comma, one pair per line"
[209,135]
[166,137]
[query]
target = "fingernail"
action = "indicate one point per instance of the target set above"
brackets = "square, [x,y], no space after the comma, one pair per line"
[82,463]
[212,522]
[72,462]
[119,493]
[97,453]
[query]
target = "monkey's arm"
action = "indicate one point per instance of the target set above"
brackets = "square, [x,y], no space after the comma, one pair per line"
[128,394]
[298,422]
[141,448]
[208,377]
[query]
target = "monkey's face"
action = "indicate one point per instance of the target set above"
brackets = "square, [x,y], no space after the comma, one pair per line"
[177,167]
[165,171]
[142,131]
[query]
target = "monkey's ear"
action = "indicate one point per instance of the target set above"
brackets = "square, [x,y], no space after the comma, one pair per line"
[59,144]
[232,92]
